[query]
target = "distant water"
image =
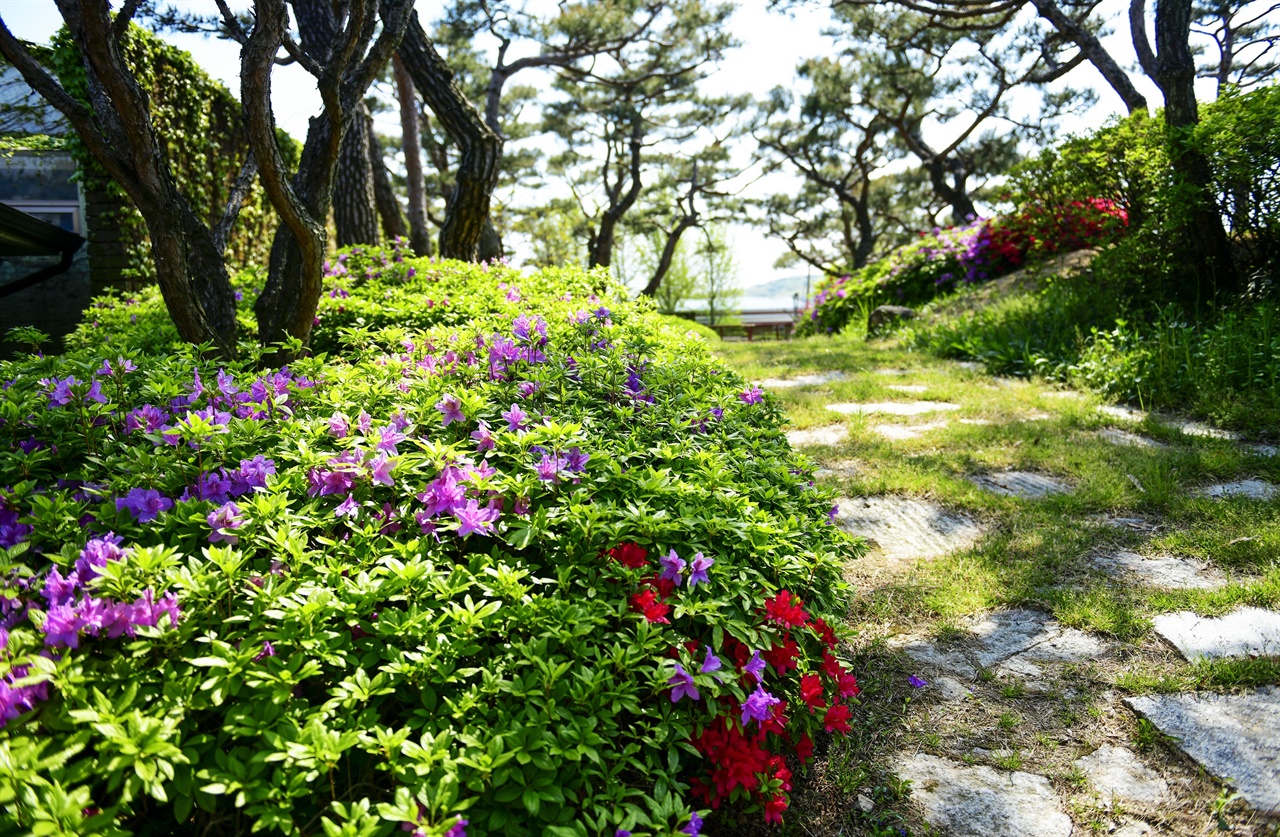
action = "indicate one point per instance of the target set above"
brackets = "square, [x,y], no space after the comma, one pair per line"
[755,303]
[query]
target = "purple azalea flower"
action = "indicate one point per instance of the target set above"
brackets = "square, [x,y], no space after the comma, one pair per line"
[620,832]
[755,666]
[221,520]
[364,421]
[146,418]
[473,519]
[380,469]
[751,396]
[576,461]
[253,473]
[917,682]
[321,482]
[711,664]
[757,706]
[682,685]
[348,508]
[145,504]
[268,650]
[62,625]
[831,515]
[698,569]
[338,426]
[549,468]
[451,408]
[388,438]
[484,439]
[515,418]
[672,567]
[122,366]
[694,828]
[458,829]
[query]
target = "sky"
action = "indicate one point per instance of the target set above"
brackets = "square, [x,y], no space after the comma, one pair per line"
[772,44]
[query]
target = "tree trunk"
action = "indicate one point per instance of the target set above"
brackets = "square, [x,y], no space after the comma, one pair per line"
[384,194]
[668,255]
[419,235]
[192,276]
[355,215]
[962,208]
[489,248]
[476,173]
[1176,74]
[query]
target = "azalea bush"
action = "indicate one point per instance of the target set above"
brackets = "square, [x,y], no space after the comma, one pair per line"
[545,567]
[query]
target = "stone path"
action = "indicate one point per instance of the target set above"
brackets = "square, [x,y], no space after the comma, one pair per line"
[1160,570]
[1249,489]
[802,380]
[1025,654]
[1024,484]
[983,802]
[1233,736]
[904,528]
[1244,632]
[893,408]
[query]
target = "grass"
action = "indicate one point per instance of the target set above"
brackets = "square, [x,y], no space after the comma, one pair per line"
[1034,554]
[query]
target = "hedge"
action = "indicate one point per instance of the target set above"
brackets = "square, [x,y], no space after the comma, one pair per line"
[529,562]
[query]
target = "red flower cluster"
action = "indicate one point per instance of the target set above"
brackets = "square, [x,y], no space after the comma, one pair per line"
[741,759]
[785,610]
[646,602]
[630,554]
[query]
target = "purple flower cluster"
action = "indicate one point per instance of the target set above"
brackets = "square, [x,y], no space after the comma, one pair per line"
[553,466]
[673,567]
[72,611]
[446,496]
[635,388]
[12,532]
[344,470]
[225,402]
[753,395]
[64,391]
[222,485]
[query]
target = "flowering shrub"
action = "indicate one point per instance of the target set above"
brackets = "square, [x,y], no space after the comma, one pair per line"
[545,568]
[945,259]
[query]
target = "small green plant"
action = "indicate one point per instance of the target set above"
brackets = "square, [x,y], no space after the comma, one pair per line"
[1008,721]
[1013,690]
[1147,736]
[29,336]
[1011,760]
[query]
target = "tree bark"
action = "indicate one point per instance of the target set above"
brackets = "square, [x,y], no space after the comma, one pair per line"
[600,253]
[355,215]
[668,255]
[344,61]
[476,173]
[1176,74]
[419,235]
[384,194]
[962,208]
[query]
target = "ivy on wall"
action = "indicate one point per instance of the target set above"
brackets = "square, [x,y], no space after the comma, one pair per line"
[202,128]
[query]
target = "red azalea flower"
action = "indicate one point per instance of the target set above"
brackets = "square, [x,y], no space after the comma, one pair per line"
[780,771]
[630,554]
[849,686]
[773,809]
[646,602]
[824,632]
[804,747]
[782,656]
[811,692]
[837,719]
[831,666]
[786,610]
[736,651]
[664,586]
[777,723]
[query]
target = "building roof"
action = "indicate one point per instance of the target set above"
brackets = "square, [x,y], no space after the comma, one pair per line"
[22,235]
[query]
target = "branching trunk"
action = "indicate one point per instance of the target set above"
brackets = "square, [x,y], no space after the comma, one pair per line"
[355,216]
[411,138]
[601,246]
[1094,51]
[476,173]
[954,193]
[1176,74]
[668,254]
[384,194]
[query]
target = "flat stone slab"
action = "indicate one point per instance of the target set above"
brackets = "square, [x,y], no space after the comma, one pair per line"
[907,529]
[1161,570]
[831,434]
[1116,773]
[802,380]
[969,365]
[1204,431]
[842,468]
[1122,413]
[980,801]
[913,388]
[1025,484]
[1014,642]
[887,371]
[1264,450]
[1244,632]
[1063,393]
[1231,736]
[893,408]
[901,432]
[1124,438]
[1249,489]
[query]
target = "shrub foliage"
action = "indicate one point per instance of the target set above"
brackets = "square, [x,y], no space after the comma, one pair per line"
[522,562]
